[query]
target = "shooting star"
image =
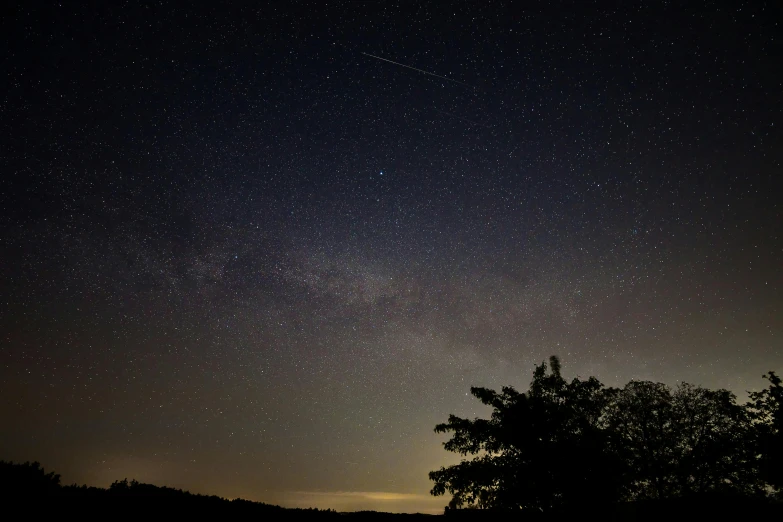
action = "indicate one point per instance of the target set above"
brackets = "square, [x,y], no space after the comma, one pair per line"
[419,70]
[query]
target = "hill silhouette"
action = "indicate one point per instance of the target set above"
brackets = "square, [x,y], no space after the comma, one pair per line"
[27,485]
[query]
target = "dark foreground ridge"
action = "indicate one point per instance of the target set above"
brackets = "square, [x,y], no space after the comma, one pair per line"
[28,487]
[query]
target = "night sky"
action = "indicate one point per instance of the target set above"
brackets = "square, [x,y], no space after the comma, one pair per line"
[245,253]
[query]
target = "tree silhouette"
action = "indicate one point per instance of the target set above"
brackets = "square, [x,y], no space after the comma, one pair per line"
[687,441]
[542,450]
[714,442]
[767,411]
[639,422]
[576,444]
[27,479]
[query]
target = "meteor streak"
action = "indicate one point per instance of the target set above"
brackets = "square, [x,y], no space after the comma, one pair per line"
[419,70]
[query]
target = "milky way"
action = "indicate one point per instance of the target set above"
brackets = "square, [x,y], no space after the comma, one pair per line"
[241,258]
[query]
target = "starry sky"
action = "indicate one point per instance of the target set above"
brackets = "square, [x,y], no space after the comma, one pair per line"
[260,250]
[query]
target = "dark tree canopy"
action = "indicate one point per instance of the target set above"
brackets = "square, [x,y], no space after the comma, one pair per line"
[767,413]
[539,450]
[682,441]
[564,444]
[30,476]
